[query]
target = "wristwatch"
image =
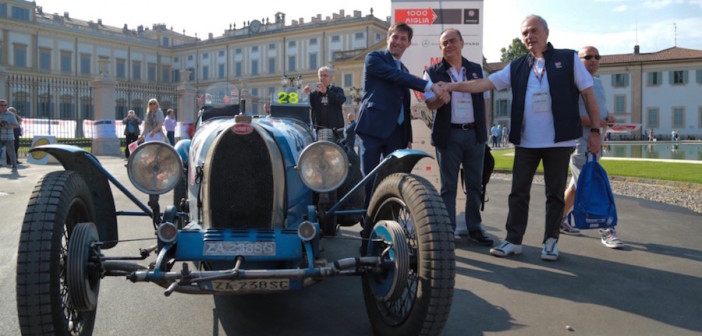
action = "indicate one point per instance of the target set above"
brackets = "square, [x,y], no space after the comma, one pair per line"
[595,130]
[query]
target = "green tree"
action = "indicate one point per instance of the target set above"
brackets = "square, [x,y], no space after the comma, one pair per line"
[514,51]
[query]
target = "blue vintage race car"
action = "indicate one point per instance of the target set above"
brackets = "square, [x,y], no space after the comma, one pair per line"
[252,197]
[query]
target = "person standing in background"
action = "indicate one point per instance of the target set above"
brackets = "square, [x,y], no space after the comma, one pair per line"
[153,123]
[131,130]
[18,134]
[8,122]
[170,124]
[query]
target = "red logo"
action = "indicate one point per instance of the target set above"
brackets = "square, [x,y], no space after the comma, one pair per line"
[418,16]
[242,129]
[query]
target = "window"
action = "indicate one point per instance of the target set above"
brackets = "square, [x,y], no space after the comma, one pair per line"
[85,64]
[313,61]
[175,59]
[254,67]
[271,93]
[66,61]
[620,104]
[237,69]
[620,80]
[313,41]
[292,44]
[271,65]
[655,78]
[20,55]
[66,108]
[3,10]
[699,76]
[136,70]
[151,72]
[238,51]
[44,59]
[121,68]
[221,53]
[165,41]
[205,55]
[678,77]
[502,107]
[678,117]
[335,38]
[165,74]
[190,57]
[254,49]
[205,72]
[699,117]
[20,13]
[176,76]
[377,37]
[348,80]
[271,46]
[359,36]
[291,63]
[652,117]
[220,71]
[191,77]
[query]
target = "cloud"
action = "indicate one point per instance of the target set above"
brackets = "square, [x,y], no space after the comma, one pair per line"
[657,4]
[620,8]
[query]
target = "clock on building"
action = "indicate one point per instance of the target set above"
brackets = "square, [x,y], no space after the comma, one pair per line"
[255,26]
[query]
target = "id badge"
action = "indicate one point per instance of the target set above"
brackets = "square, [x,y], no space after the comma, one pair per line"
[541,102]
[463,105]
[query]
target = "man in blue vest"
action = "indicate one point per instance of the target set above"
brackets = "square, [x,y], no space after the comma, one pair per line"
[384,115]
[546,84]
[459,133]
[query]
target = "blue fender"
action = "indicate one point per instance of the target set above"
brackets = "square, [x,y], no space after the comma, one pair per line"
[399,161]
[182,147]
[89,168]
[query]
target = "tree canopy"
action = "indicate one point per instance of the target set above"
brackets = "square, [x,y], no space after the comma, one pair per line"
[513,51]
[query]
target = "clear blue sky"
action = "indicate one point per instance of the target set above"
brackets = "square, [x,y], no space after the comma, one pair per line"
[614,26]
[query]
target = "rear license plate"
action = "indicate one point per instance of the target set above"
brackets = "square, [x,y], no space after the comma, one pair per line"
[251,285]
[233,248]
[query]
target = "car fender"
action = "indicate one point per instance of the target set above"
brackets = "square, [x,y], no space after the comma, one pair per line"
[89,168]
[399,161]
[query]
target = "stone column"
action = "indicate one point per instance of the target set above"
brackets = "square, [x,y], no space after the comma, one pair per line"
[105,141]
[187,113]
[4,93]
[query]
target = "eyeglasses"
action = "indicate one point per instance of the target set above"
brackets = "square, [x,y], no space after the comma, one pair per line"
[589,57]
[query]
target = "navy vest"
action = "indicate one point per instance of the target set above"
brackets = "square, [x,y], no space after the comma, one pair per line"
[442,122]
[564,93]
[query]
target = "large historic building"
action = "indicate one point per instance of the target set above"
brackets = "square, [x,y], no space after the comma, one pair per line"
[48,60]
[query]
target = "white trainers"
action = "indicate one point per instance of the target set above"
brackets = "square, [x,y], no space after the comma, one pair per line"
[550,250]
[610,239]
[506,248]
[568,229]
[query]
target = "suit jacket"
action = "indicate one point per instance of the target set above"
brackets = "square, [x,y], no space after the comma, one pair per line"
[385,90]
[441,129]
[332,116]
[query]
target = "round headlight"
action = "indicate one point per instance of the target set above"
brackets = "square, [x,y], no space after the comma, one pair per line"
[155,168]
[323,166]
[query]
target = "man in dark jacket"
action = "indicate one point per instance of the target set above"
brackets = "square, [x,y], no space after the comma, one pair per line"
[326,101]
[546,84]
[131,130]
[459,133]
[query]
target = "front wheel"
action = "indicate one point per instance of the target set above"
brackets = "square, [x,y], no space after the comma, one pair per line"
[424,303]
[59,202]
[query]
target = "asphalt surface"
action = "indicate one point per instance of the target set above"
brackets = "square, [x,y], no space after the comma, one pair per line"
[650,287]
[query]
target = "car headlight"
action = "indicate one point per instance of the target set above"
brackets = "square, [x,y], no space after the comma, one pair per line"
[323,166]
[155,168]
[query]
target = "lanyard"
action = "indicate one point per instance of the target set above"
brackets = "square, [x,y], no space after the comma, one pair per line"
[538,76]
[463,74]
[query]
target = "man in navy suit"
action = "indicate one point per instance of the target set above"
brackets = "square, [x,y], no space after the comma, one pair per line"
[384,120]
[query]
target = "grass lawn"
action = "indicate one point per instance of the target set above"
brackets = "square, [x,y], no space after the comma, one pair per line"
[669,171]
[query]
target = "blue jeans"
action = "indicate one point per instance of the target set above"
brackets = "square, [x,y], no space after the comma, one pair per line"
[462,149]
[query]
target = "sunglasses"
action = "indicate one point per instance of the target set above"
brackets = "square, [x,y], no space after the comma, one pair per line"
[155,103]
[589,57]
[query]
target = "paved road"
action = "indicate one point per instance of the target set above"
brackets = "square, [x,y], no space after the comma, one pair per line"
[652,287]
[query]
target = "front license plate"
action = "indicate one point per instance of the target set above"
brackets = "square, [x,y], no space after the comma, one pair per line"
[251,285]
[232,248]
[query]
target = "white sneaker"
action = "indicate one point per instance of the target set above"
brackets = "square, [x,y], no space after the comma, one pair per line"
[610,239]
[506,248]
[550,250]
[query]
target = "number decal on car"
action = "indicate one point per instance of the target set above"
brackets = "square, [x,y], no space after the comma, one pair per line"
[288,97]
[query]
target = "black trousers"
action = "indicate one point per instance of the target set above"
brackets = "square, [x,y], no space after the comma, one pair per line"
[526,160]
[130,137]
[17,138]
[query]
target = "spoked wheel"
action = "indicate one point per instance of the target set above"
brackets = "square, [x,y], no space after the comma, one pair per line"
[423,304]
[83,267]
[59,202]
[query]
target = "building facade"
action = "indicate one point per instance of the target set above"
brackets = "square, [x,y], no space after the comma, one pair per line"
[658,90]
[47,60]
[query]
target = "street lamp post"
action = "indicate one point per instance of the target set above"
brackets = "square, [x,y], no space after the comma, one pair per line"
[291,81]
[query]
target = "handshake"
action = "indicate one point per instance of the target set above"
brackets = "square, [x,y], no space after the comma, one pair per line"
[442,90]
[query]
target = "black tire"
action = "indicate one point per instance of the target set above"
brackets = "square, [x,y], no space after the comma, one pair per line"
[424,306]
[59,202]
